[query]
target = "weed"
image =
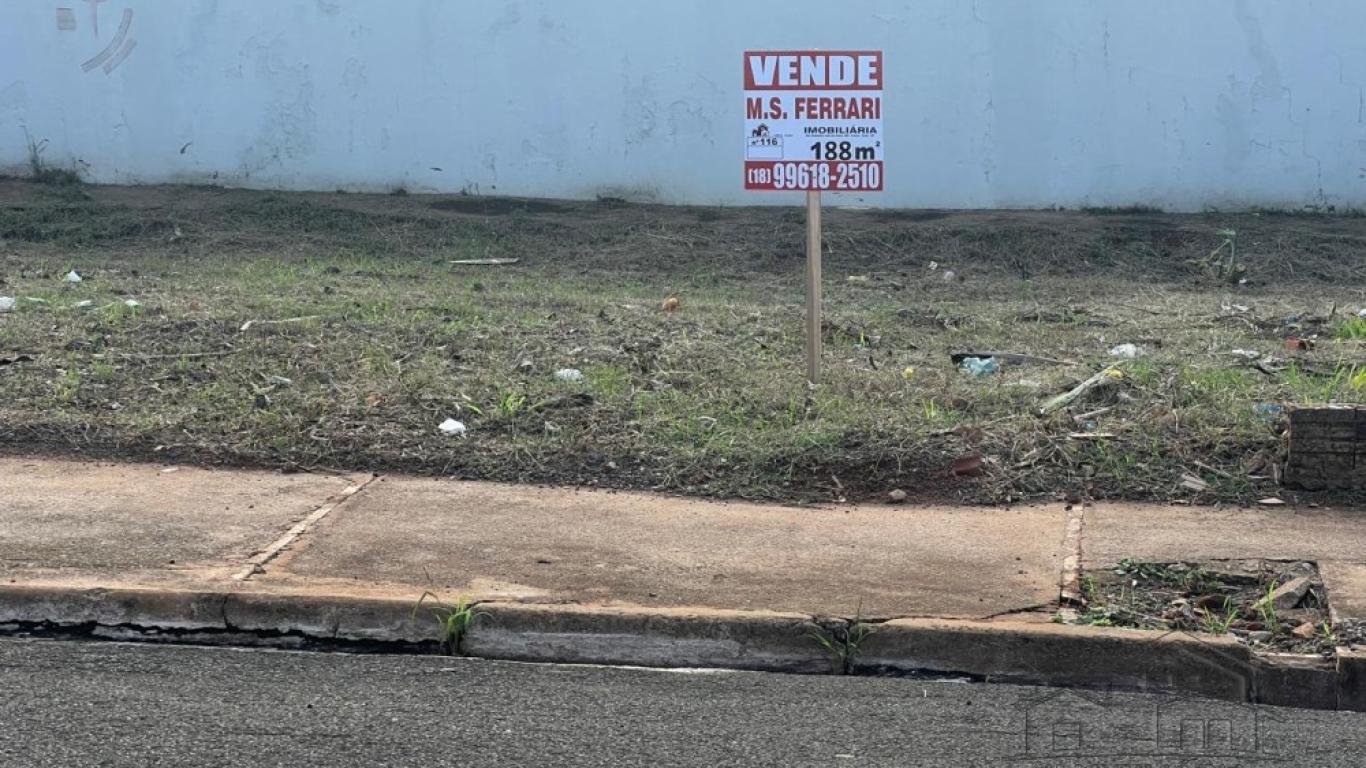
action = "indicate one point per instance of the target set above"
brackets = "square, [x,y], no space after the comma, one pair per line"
[1267,608]
[41,172]
[844,641]
[510,404]
[1329,634]
[455,620]
[1218,624]
[68,386]
[1222,263]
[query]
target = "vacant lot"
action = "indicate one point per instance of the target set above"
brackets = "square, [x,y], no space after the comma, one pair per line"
[333,331]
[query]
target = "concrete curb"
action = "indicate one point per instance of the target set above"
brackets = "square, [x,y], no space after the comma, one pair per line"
[1016,652]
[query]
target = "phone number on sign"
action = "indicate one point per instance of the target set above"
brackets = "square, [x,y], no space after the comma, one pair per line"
[814,176]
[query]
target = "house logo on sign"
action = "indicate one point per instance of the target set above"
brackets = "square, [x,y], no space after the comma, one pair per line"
[763,145]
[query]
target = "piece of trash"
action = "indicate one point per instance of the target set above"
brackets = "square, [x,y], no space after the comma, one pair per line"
[7,303]
[569,374]
[967,466]
[1127,351]
[1012,358]
[484,262]
[1272,502]
[671,304]
[279,381]
[896,496]
[132,303]
[1362,313]
[453,428]
[1246,354]
[935,265]
[909,373]
[1192,483]
[72,277]
[83,304]
[950,276]
[248,324]
[1269,412]
[980,366]
[1298,344]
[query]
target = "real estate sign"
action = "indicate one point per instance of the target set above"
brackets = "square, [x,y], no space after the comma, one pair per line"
[813,121]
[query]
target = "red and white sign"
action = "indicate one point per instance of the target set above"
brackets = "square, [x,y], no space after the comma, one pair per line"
[813,121]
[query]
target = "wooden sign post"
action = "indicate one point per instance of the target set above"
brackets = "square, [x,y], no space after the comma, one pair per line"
[814,333]
[813,122]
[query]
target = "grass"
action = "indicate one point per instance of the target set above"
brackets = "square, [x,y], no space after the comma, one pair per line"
[455,621]
[1353,329]
[353,299]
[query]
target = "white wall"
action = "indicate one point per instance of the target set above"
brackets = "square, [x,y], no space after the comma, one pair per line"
[990,103]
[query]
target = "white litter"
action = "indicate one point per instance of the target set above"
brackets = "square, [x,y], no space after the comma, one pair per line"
[7,303]
[453,428]
[1362,313]
[72,277]
[132,304]
[1246,354]
[1126,351]
[569,374]
[83,304]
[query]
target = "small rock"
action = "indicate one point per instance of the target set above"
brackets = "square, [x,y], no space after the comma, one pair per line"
[72,277]
[671,304]
[1305,630]
[949,276]
[896,496]
[569,374]
[1272,502]
[7,303]
[1260,637]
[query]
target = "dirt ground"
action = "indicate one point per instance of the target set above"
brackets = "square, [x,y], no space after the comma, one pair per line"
[334,331]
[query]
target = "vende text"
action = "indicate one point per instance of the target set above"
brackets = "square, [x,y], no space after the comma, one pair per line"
[833,71]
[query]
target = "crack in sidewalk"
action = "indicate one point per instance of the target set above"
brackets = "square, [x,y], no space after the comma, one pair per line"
[257,563]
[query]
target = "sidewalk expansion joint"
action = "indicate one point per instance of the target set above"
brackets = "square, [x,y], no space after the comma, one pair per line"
[257,564]
[1070,594]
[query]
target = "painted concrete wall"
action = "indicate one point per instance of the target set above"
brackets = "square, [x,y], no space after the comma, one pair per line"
[990,103]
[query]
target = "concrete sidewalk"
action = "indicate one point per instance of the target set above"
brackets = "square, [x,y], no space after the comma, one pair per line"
[302,555]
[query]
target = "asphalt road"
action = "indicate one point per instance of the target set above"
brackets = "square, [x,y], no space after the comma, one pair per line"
[65,703]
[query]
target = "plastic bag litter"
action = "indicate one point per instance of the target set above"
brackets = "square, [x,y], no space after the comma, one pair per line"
[1126,351]
[980,366]
[453,428]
